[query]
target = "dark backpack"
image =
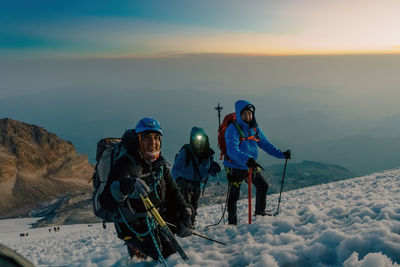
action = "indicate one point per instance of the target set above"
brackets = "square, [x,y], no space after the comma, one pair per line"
[108,150]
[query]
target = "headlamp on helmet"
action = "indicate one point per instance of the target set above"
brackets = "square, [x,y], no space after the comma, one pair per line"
[199,137]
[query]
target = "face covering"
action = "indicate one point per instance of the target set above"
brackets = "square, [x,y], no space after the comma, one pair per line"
[151,156]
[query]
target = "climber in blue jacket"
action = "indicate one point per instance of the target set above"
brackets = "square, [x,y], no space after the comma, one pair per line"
[242,143]
[192,166]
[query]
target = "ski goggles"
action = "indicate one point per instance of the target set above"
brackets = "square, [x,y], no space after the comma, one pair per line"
[249,107]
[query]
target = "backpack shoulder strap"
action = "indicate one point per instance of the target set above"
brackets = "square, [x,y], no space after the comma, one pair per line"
[190,156]
[136,168]
[240,131]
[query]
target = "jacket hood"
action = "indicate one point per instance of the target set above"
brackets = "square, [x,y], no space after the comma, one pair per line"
[239,106]
[197,130]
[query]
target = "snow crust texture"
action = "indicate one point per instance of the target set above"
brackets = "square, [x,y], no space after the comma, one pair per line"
[350,223]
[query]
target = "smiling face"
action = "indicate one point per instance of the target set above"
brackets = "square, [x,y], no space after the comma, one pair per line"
[151,142]
[246,116]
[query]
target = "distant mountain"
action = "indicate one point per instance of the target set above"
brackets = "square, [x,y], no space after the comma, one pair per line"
[362,154]
[313,132]
[306,173]
[36,166]
[388,127]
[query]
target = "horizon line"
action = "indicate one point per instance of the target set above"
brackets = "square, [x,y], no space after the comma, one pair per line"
[182,54]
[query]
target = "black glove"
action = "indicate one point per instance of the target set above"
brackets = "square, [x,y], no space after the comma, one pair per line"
[214,168]
[140,189]
[126,185]
[251,163]
[185,225]
[121,188]
[287,154]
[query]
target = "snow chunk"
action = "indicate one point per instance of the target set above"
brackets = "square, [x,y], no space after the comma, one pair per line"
[370,260]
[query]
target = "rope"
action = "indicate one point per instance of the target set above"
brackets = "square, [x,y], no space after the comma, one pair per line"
[130,228]
[157,181]
[160,256]
[223,213]
[151,227]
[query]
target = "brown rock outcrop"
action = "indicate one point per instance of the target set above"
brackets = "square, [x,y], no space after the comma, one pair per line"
[36,165]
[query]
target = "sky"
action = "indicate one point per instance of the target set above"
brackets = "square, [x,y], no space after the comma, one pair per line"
[350,223]
[130,28]
[317,71]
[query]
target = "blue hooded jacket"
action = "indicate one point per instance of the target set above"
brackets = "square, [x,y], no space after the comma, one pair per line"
[239,152]
[179,169]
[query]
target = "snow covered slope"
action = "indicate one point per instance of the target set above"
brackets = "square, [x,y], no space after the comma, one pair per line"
[354,222]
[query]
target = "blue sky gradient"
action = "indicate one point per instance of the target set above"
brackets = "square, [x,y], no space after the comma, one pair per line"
[137,28]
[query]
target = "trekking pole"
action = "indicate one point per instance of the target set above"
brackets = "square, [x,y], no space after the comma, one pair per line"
[204,187]
[219,108]
[196,233]
[280,194]
[249,188]
[220,199]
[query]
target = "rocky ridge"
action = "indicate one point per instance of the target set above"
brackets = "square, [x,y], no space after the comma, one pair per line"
[35,166]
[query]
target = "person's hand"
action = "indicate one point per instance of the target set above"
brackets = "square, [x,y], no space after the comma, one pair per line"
[214,168]
[287,154]
[128,187]
[185,225]
[140,189]
[183,230]
[251,163]
[121,188]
